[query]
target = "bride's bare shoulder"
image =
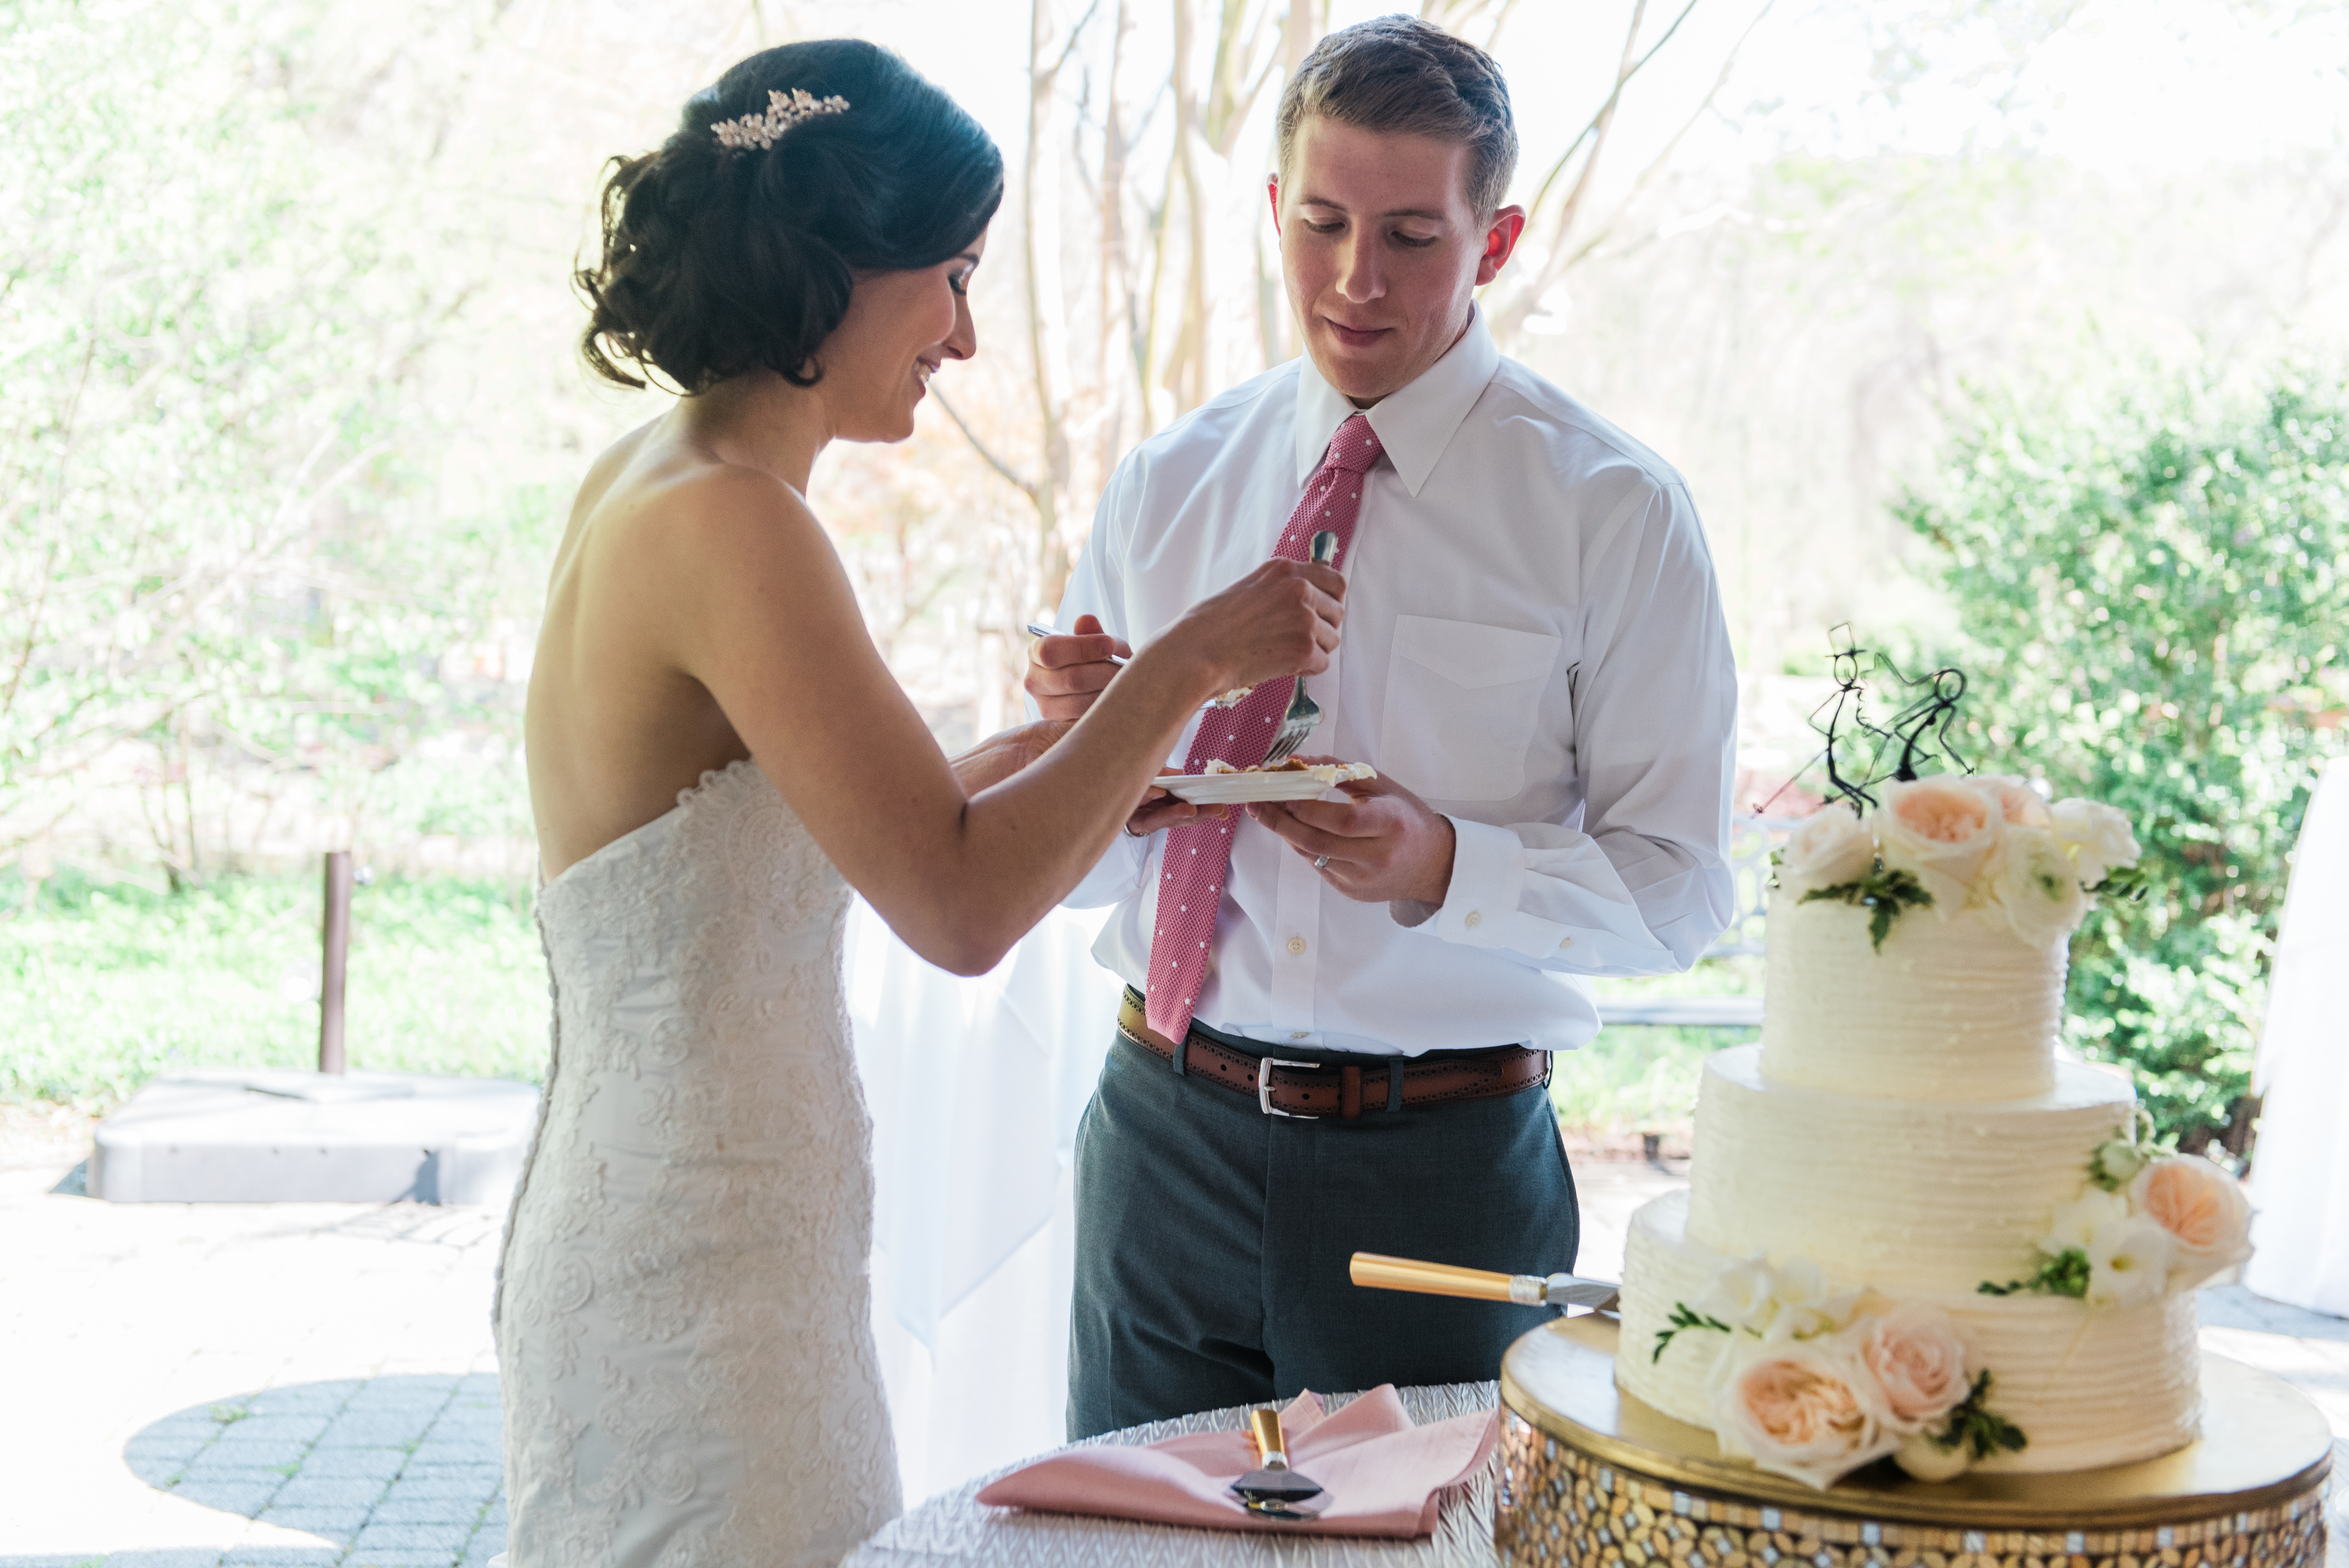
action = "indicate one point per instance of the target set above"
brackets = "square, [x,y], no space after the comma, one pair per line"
[666,506]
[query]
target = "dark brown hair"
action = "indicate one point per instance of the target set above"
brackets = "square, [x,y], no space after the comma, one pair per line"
[1405,77]
[717,259]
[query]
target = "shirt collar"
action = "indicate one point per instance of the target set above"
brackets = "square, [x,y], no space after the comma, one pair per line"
[1416,424]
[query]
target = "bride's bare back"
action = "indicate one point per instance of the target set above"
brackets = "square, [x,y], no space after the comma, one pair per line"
[616,729]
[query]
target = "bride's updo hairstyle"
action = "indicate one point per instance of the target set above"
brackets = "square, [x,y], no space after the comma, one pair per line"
[720,254]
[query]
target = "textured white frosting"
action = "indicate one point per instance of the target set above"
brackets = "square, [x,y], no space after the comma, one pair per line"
[1957,1009]
[1904,1195]
[2088,1386]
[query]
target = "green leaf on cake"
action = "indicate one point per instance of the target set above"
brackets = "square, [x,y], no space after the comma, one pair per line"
[1977,1429]
[2066,1274]
[1684,1316]
[1883,893]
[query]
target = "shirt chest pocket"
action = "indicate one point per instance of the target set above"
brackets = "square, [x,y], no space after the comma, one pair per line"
[1463,700]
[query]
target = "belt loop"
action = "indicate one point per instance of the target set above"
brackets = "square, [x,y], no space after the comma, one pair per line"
[1182,1052]
[1394,1083]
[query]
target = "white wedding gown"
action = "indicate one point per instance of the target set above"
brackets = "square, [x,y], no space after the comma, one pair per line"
[683,1335]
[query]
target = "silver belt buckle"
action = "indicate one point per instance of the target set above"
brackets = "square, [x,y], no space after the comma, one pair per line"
[1264,1086]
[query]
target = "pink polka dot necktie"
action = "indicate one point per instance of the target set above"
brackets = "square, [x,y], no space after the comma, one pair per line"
[1192,871]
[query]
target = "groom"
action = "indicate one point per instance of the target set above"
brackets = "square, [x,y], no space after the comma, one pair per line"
[1339,1015]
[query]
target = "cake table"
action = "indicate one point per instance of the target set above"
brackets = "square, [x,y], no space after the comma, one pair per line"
[1591,1477]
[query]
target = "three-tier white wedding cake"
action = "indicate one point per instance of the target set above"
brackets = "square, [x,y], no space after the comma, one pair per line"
[1912,1230]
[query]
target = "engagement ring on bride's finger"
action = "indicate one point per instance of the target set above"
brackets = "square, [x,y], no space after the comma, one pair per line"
[1320,860]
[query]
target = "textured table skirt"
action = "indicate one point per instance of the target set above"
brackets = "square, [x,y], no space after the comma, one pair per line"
[954,1530]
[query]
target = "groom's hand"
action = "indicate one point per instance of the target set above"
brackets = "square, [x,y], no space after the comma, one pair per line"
[1383,844]
[1066,673]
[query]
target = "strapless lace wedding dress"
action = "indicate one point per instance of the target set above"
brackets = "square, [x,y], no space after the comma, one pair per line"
[682,1318]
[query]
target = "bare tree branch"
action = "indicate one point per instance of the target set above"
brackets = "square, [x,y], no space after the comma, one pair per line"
[1010,477]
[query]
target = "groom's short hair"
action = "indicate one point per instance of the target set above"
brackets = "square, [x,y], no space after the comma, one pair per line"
[1403,77]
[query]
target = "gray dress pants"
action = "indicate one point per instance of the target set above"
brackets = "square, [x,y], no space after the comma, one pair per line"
[1212,1241]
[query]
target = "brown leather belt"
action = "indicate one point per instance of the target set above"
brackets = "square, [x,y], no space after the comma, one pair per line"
[1311,1089]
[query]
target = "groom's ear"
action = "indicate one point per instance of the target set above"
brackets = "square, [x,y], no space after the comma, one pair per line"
[1500,241]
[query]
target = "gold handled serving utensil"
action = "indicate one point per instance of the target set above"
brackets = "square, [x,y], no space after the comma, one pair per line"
[1273,1489]
[1380,1271]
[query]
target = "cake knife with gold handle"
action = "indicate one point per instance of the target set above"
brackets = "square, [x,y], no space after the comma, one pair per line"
[1273,1489]
[1380,1271]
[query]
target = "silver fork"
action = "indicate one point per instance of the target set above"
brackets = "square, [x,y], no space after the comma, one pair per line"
[1228,699]
[1304,713]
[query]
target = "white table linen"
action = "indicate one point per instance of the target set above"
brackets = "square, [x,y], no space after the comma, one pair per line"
[2300,1169]
[975,1086]
[1533,642]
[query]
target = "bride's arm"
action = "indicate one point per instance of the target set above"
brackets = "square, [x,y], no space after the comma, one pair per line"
[749,598]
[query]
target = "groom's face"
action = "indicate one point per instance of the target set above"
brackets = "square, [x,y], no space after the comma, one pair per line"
[1382,251]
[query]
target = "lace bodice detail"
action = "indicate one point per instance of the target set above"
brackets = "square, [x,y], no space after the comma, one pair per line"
[683,1324]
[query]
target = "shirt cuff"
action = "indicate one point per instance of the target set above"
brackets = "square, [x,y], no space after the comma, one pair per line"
[1488,875]
[1480,907]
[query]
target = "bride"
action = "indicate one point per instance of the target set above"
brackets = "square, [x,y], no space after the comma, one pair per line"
[717,756]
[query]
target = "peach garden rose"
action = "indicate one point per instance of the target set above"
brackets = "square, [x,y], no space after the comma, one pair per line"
[2018,802]
[1808,1409]
[1940,831]
[2204,1211]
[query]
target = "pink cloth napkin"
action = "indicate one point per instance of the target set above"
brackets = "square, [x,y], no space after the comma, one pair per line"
[1382,1473]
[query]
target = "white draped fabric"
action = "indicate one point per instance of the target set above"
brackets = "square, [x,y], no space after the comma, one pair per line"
[2299,1172]
[975,1087]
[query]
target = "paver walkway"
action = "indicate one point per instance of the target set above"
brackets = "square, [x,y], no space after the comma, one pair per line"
[312,1386]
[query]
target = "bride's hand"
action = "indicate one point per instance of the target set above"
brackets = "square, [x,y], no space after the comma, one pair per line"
[1006,752]
[1279,620]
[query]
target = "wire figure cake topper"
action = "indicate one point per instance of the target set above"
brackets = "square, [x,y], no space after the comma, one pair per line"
[1860,753]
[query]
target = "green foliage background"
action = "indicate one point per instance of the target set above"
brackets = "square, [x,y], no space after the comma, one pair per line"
[2153,603]
[235,557]
[109,985]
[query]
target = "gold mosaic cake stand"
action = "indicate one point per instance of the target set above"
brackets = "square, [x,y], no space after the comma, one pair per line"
[1591,1477]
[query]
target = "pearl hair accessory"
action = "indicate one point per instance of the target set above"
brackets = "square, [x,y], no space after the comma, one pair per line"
[784,111]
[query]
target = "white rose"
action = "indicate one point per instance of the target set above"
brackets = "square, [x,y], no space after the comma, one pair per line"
[2079,1223]
[2018,802]
[1808,1409]
[1831,847]
[2035,887]
[1739,1296]
[1806,1305]
[2203,1209]
[1940,831]
[2096,837]
[2128,1264]
[1919,1362]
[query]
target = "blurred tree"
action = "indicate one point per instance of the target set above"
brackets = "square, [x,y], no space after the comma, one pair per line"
[2154,606]
[220,552]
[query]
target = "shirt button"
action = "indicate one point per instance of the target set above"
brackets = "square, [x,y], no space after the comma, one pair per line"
[1296,945]
[1566,942]
[1474,919]
[1297,1034]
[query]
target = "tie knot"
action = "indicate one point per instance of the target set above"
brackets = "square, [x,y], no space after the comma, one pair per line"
[1354,448]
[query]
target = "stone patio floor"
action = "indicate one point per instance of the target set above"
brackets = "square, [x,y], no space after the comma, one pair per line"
[313,1386]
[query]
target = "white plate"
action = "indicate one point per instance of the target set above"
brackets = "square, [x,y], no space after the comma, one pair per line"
[1240,788]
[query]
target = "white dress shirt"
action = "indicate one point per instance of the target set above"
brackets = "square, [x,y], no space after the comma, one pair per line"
[1533,643]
